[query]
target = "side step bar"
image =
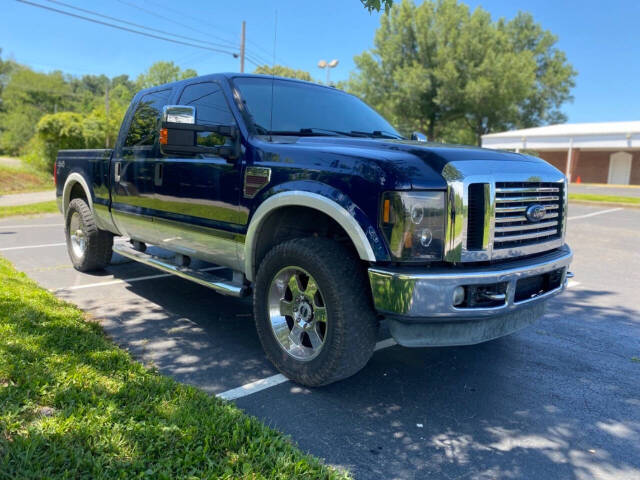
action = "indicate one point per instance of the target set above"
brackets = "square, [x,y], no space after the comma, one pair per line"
[220,285]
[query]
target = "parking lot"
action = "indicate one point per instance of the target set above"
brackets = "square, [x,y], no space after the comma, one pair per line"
[560,399]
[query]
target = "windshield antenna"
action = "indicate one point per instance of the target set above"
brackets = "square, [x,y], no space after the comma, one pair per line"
[273,73]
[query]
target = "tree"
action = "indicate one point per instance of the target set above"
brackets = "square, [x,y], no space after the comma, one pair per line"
[440,68]
[282,71]
[28,96]
[56,131]
[372,5]
[163,72]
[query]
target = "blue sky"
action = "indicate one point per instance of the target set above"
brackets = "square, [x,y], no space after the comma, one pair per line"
[601,39]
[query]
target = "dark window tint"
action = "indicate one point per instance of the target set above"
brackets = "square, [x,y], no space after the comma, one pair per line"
[211,106]
[299,106]
[144,125]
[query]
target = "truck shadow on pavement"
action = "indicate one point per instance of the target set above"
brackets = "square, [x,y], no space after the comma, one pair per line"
[559,399]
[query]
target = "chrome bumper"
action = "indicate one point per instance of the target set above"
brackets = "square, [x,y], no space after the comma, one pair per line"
[411,300]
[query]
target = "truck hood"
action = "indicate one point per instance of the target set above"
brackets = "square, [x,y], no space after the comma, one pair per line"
[417,165]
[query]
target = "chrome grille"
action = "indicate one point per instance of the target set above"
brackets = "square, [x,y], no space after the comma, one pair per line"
[512,199]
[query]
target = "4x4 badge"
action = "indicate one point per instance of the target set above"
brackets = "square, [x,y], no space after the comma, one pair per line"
[535,213]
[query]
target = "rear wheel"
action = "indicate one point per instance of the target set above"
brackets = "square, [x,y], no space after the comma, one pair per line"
[313,311]
[89,247]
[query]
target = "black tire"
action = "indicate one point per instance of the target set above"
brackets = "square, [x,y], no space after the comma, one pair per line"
[98,244]
[352,324]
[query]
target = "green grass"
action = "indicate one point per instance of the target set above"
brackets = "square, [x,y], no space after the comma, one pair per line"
[590,197]
[29,209]
[73,405]
[23,179]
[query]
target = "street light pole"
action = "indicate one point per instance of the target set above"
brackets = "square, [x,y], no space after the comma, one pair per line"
[328,66]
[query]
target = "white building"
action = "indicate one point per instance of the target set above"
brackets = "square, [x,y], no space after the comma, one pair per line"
[586,152]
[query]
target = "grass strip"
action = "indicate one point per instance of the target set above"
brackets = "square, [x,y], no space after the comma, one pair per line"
[591,197]
[29,209]
[22,179]
[73,405]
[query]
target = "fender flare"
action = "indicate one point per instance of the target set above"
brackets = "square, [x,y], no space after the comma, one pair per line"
[303,198]
[71,180]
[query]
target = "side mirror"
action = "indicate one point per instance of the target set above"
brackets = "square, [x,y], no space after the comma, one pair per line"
[179,134]
[419,137]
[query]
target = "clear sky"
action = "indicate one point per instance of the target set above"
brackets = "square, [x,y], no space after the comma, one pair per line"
[601,39]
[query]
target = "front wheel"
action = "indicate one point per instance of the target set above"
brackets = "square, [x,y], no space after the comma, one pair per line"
[89,247]
[313,311]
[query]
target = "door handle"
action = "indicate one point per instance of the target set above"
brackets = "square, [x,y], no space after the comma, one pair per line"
[158,174]
[118,168]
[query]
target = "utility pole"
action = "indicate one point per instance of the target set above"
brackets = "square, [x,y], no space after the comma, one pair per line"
[242,47]
[106,109]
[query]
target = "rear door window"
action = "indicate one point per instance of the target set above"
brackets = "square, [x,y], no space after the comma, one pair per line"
[143,131]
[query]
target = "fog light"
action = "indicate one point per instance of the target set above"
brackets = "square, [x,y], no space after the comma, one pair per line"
[458,296]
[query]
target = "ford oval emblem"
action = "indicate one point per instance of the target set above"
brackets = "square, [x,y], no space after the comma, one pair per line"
[535,213]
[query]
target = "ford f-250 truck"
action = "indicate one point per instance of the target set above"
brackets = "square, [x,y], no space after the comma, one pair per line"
[322,211]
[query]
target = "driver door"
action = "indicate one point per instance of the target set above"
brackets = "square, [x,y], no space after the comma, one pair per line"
[197,197]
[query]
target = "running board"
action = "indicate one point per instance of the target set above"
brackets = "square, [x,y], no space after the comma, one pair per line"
[220,285]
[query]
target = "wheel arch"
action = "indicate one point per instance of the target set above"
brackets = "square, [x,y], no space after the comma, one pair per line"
[71,185]
[315,201]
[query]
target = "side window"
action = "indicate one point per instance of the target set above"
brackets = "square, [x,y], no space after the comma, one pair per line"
[211,105]
[143,130]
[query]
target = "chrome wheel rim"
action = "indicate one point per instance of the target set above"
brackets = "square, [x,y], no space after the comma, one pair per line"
[297,313]
[77,235]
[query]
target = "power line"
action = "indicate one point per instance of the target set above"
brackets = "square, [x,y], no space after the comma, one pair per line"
[260,56]
[155,14]
[173,21]
[101,15]
[119,27]
[182,13]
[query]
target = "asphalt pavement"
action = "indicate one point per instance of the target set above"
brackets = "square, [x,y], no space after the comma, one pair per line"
[560,399]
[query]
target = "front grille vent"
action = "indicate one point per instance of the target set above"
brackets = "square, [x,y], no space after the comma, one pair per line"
[512,227]
[476,216]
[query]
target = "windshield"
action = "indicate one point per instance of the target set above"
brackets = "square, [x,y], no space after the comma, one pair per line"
[305,109]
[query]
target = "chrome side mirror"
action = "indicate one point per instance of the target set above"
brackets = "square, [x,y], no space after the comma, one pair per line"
[179,114]
[419,137]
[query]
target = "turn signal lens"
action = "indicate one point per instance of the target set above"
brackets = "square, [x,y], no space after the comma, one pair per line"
[386,208]
[163,136]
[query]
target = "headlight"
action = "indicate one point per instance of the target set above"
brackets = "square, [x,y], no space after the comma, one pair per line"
[413,224]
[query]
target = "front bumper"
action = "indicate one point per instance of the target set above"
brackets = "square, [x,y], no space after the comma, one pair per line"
[419,304]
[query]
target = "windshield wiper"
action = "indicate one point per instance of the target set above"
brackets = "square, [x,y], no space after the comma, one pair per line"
[377,134]
[310,132]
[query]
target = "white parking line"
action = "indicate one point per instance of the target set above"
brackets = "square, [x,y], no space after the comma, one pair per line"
[253,387]
[593,214]
[6,249]
[33,226]
[272,381]
[386,343]
[127,280]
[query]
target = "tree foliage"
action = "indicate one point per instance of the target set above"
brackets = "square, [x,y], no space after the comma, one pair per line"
[456,74]
[282,71]
[43,112]
[376,5]
[163,72]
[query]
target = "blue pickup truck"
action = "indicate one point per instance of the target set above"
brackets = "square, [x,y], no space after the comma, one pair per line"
[320,209]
